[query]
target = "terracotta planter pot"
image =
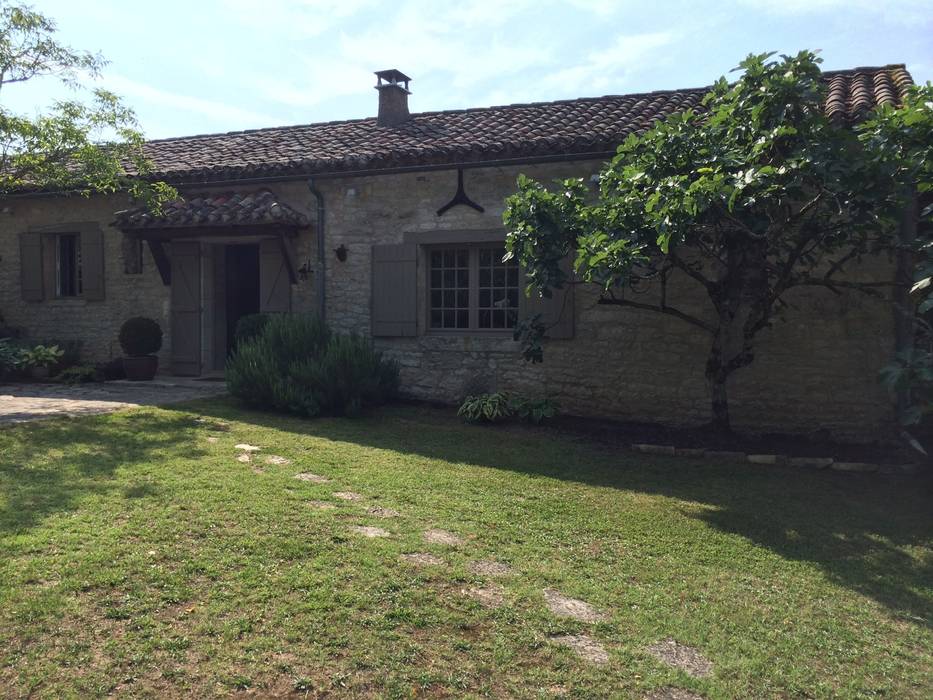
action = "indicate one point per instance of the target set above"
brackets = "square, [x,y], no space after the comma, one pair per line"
[140,368]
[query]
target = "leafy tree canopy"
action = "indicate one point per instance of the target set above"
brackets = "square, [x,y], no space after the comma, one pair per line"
[75,146]
[752,195]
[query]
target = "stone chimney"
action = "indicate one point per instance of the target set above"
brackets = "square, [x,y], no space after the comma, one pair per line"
[393,97]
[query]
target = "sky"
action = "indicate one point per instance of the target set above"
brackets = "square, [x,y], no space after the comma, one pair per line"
[207,66]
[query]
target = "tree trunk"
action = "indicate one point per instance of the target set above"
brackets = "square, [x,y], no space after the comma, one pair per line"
[740,298]
[716,384]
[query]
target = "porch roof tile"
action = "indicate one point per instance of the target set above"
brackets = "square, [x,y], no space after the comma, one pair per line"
[259,208]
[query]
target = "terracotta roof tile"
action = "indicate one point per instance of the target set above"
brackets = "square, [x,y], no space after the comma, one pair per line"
[228,209]
[587,126]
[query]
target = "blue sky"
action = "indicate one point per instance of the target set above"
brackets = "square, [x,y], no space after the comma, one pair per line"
[204,66]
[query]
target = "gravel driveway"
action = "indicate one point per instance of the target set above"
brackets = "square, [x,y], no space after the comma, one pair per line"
[25,402]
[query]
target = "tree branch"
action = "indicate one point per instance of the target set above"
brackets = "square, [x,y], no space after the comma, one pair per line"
[613,301]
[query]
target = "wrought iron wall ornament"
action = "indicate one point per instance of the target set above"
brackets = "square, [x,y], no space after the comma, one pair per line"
[460,197]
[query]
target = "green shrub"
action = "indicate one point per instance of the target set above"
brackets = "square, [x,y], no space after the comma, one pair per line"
[534,410]
[250,326]
[140,336]
[41,356]
[78,374]
[486,408]
[489,408]
[296,364]
[11,357]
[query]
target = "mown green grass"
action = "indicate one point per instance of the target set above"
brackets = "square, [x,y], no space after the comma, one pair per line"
[138,558]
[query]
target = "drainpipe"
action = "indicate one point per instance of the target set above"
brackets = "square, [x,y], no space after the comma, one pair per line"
[321,286]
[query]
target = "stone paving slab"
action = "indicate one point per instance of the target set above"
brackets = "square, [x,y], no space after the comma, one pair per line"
[20,403]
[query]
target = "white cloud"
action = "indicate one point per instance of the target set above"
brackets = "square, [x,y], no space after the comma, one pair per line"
[220,112]
[909,12]
[605,67]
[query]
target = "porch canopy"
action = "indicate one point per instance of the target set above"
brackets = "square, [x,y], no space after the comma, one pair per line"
[215,215]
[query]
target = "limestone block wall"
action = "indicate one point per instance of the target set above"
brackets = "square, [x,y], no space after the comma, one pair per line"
[815,370]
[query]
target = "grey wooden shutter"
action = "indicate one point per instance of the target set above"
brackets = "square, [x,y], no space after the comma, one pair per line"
[395,290]
[30,266]
[186,308]
[275,287]
[557,312]
[92,264]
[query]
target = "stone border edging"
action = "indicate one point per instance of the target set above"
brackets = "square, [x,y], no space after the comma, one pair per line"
[776,459]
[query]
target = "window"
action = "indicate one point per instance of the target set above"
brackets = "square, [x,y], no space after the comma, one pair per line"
[68,281]
[470,288]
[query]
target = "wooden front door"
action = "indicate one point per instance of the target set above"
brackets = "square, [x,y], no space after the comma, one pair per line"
[186,308]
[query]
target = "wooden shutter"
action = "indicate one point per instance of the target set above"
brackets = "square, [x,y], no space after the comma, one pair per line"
[557,312]
[92,264]
[275,286]
[186,308]
[30,266]
[394,290]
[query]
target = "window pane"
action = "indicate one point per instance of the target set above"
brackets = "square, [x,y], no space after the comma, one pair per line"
[484,278]
[435,278]
[435,299]
[463,278]
[449,319]
[485,256]
[498,319]
[67,263]
[449,258]
[513,275]
[463,299]
[462,258]
[463,319]
[485,318]
[435,319]
[498,277]
[484,298]
[436,258]
[450,278]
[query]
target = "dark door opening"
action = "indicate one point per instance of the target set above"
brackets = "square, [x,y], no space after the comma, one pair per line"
[242,286]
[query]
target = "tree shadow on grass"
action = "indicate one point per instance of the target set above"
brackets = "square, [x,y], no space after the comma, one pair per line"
[50,466]
[856,528]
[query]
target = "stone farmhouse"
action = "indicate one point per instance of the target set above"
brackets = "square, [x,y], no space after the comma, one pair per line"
[391,226]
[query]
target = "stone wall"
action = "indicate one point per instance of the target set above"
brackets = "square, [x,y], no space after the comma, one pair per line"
[816,370]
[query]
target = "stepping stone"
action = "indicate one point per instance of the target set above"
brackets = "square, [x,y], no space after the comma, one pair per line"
[246,448]
[369,531]
[347,496]
[671,693]
[381,512]
[442,537]
[275,459]
[584,646]
[686,658]
[488,567]
[322,505]
[562,606]
[488,597]
[422,559]
[244,458]
[313,478]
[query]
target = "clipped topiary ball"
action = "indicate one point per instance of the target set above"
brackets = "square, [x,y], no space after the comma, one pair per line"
[140,336]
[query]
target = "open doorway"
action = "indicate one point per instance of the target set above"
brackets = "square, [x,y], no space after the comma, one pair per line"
[242,296]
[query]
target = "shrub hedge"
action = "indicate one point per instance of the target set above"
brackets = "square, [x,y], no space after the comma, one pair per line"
[296,364]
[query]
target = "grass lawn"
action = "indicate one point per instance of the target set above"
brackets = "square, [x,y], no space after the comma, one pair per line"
[139,557]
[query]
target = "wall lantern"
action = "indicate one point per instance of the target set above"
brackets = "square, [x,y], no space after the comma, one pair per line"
[341,253]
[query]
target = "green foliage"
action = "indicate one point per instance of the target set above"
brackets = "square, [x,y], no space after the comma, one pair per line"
[750,196]
[534,410]
[78,374]
[486,408]
[491,408]
[140,336]
[10,357]
[74,146]
[41,356]
[250,326]
[295,364]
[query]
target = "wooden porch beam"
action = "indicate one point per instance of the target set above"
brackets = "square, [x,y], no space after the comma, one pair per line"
[161,260]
